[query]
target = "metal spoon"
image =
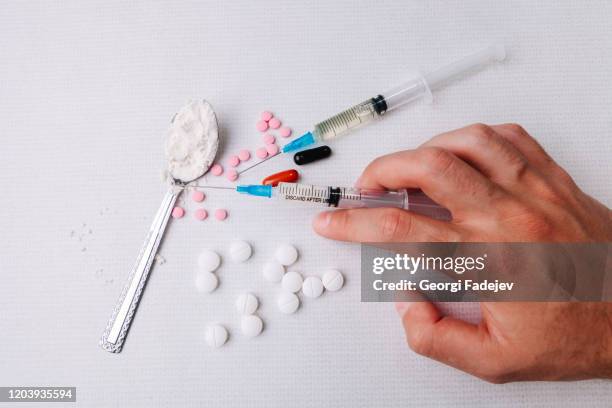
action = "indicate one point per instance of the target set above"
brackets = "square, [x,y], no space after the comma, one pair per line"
[116,331]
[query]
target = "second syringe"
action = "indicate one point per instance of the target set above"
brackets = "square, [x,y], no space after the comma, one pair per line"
[350,197]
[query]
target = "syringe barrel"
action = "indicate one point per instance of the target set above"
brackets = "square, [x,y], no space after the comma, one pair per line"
[352,197]
[348,119]
[418,202]
[407,92]
[412,200]
[367,198]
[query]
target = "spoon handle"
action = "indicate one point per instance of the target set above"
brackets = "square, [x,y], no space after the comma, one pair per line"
[119,323]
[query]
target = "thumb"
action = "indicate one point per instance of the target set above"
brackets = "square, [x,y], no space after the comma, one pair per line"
[451,341]
[382,225]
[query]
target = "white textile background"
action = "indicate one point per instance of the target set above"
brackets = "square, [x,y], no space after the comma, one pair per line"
[87,89]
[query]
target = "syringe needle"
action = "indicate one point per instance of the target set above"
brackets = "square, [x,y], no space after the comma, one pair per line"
[196,186]
[258,163]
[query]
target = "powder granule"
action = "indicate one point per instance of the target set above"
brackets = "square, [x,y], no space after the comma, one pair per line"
[193,140]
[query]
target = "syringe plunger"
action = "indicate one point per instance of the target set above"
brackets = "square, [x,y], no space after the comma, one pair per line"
[421,86]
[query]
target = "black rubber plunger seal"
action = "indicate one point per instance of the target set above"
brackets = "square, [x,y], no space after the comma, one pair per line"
[312,155]
[334,196]
[380,104]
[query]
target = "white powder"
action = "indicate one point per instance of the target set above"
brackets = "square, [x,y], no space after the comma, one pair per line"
[193,140]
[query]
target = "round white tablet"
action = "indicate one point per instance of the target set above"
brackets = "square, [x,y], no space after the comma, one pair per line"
[292,282]
[288,303]
[251,325]
[333,280]
[209,260]
[240,251]
[273,271]
[312,287]
[286,254]
[247,304]
[206,282]
[216,335]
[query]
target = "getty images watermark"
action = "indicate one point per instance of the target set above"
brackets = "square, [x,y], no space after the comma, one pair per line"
[486,272]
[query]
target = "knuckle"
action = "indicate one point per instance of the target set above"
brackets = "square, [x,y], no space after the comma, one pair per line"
[486,137]
[516,129]
[563,176]
[483,135]
[481,131]
[437,160]
[519,167]
[419,343]
[375,163]
[394,225]
[372,167]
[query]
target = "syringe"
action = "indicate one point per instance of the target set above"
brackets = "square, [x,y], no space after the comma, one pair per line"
[377,106]
[350,197]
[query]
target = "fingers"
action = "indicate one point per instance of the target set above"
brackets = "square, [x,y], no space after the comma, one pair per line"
[527,145]
[444,177]
[481,146]
[534,152]
[382,225]
[451,341]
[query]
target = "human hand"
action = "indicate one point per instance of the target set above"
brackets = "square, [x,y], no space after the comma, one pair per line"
[500,186]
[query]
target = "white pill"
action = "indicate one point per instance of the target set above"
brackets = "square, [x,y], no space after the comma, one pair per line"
[286,254]
[247,304]
[240,251]
[312,287]
[273,271]
[209,260]
[288,303]
[216,335]
[333,280]
[251,325]
[292,282]
[206,282]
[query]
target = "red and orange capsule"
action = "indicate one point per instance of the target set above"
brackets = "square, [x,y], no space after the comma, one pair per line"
[287,176]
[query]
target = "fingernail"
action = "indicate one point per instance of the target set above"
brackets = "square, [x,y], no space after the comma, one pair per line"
[323,220]
[402,307]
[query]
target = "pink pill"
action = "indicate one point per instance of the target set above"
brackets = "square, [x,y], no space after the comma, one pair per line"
[269,139]
[285,131]
[231,175]
[177,212]
[274,123]
[262,126]
[216,170]
[262,153]
[272,149]
[234,161]
[266,116]
[244,155]
[220,214]
[200,214]
[197,196]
